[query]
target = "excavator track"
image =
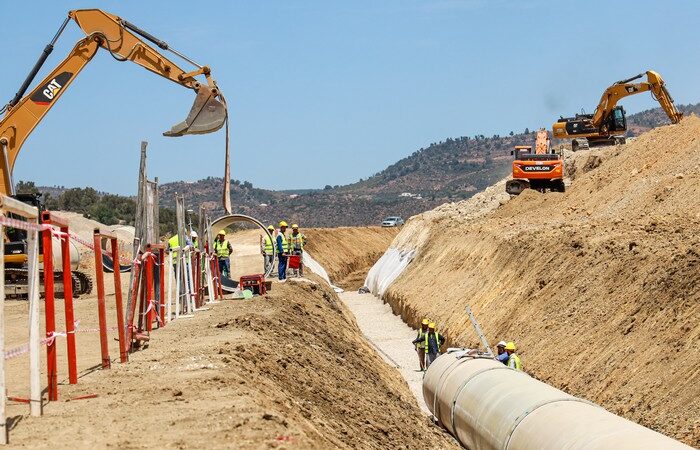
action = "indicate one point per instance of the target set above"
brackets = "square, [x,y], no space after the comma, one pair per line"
[16,284]
[579,144]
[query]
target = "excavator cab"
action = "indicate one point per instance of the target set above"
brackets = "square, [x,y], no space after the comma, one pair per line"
[618,121]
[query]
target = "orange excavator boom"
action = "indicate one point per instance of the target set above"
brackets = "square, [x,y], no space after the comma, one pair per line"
[121,40]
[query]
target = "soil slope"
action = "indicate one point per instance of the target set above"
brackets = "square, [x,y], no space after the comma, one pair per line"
[347,253]
[598,286]
[290,370]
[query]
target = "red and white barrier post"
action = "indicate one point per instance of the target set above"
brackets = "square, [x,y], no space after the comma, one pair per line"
[31,214]
[101,302]
[49,218]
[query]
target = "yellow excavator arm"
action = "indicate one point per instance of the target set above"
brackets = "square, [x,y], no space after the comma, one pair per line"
[119,38]
[625,88]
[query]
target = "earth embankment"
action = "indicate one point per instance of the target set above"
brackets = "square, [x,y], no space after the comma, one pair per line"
[598,286]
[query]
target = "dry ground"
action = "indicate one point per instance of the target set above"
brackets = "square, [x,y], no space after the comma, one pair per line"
[599,286]
[290,370]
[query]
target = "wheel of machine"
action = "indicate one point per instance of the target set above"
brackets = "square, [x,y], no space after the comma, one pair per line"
[515,187]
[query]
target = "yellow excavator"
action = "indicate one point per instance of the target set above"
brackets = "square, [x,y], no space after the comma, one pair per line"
[607,125]
[124,41]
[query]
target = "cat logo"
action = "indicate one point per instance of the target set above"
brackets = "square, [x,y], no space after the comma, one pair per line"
[46,93]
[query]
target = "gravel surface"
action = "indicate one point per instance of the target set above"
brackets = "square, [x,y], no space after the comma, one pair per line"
[390,336]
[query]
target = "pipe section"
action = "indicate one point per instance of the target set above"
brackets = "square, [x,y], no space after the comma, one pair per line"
[488,406]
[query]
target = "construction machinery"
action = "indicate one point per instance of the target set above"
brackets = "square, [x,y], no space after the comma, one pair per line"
[542,170]
[608,124]
[123,41]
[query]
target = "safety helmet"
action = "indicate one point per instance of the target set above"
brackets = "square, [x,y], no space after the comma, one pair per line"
[222,233]
[193,233]
[510,346]
[501,344]
[295,226]
[425,322]
[271,228]
[431,325]
[283,224]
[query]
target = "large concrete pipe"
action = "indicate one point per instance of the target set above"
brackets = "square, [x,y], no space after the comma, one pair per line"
[488,406]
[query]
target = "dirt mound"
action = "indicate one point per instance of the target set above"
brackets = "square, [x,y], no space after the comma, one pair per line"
[347,253]
[599,286]
[290,370]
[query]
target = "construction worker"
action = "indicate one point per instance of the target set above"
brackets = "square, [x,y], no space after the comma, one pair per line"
[173,242]
[433,341]
[282,251]
[193,237]
[513,359]
[223,250]
[420,345]
[502,355]
[296,246]
[268,250]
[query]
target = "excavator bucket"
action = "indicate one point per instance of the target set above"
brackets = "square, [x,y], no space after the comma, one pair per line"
[207,115]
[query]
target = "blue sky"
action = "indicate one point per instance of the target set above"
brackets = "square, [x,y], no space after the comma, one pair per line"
[327,92]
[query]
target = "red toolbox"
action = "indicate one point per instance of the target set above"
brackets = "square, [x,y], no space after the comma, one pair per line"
[255,283]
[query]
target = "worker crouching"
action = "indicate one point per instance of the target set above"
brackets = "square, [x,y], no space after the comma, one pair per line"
[432,341]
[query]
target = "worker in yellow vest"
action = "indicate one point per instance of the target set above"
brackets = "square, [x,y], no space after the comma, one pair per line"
[513,359]
[267,247]
[420,345]
[296,247]
[223,250]
[282,251]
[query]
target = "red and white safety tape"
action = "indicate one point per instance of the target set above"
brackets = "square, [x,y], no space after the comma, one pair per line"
[51,338]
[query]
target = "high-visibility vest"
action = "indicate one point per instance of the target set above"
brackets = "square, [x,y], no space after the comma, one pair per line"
[296,242]
[514,362]
[421,335]
[222,249]
[269,248]
[437,341]
[285,244]
[172,243]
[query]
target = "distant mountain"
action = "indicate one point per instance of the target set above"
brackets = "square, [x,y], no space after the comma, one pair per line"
[450,170]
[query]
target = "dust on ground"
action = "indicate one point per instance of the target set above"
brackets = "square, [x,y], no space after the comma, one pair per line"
[347,253]
[599,286]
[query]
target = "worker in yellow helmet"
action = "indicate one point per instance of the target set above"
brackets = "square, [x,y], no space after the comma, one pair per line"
[433,341]
[513,359]
[296,247]
[420,345]
[223,250]
[267,247]
[282,251]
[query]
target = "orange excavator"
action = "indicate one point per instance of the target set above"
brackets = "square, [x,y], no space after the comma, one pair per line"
[607,125]
[124,41]
[541,170]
